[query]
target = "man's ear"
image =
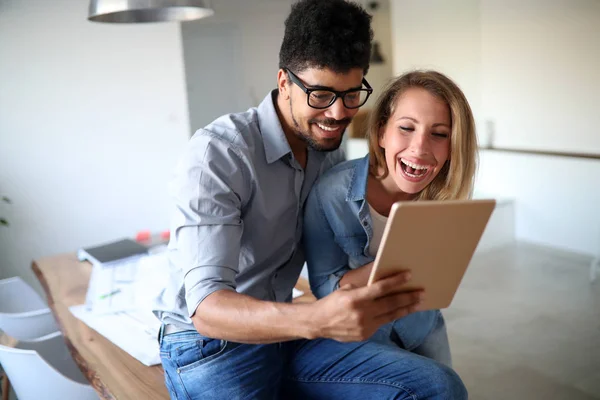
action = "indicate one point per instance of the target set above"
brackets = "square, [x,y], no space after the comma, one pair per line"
[283,84]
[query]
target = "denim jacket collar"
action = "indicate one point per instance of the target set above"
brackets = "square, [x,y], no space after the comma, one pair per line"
[357,190]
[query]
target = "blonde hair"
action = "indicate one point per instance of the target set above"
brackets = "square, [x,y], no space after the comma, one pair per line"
[455,179]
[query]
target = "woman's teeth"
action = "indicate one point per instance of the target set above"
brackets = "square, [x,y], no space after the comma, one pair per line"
[413,165]
[414,170]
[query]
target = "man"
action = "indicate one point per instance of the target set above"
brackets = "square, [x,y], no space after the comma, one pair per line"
[230,330]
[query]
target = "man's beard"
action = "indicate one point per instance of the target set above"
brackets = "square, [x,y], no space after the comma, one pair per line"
[307,137]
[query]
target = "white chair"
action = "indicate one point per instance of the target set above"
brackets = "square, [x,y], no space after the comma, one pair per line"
[44,369]
[23,314]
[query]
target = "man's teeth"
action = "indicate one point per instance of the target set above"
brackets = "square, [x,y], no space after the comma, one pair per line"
[413,165]
[328,128]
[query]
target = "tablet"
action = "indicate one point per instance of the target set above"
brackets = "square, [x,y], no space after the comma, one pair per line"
[435,240]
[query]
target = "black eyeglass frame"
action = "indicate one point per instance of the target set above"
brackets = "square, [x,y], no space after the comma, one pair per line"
[337,94]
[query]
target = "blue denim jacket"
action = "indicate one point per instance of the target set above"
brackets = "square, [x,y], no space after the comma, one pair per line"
[337,233]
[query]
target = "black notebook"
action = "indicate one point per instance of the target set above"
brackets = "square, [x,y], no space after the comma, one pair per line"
[111,252]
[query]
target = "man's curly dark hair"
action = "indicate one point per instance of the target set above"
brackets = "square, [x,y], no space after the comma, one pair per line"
[333,34]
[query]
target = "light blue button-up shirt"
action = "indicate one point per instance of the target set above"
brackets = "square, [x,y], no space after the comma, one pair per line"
[239,195]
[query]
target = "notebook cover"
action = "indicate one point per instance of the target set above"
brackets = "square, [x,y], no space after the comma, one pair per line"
[113,251]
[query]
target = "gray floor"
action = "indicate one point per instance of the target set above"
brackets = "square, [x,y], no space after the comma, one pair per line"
[525,324]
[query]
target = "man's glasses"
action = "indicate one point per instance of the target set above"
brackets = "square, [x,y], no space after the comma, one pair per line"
[321,98]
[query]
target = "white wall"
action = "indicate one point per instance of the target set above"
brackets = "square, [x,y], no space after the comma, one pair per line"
[442,35]
[532,69]
[556,199]
[541,73]
[541,90]
[380,74]
[231,59]
[92,119]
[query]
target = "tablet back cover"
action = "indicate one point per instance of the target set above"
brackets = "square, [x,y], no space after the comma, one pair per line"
[436,241]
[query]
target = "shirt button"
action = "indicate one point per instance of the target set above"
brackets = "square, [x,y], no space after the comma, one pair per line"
[364,223]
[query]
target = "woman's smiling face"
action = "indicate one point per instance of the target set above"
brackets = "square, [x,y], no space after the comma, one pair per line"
[416,141]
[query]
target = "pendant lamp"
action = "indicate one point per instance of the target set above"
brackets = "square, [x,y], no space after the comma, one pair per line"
[137,11]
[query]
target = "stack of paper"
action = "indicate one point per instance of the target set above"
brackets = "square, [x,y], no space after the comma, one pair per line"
[119,303]
[126,285]
[136,332]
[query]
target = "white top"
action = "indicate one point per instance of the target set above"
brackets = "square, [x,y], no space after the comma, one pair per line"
[379,222]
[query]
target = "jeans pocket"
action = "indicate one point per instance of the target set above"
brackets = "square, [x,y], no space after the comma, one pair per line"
[194,353]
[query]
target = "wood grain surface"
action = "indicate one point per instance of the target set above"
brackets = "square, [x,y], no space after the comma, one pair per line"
[112,372]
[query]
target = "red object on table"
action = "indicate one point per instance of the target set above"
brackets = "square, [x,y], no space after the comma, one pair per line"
[143,236]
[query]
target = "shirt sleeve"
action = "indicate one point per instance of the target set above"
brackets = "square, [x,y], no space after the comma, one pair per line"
[209,191]
[326,261]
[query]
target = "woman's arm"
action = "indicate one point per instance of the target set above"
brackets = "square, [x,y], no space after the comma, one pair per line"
[326,261]
[357,277]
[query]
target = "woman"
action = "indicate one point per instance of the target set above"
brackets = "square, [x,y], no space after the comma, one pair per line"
[422,146]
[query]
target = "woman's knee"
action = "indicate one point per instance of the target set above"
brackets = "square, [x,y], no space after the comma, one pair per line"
[447,384]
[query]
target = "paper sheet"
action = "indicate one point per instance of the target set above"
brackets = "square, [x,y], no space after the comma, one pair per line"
[135,332]
[127,285]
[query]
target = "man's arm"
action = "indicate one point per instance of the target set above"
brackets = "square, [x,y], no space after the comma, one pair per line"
[209,190]
[346,315]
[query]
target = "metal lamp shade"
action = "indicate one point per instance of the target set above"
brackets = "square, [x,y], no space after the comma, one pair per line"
[135,11]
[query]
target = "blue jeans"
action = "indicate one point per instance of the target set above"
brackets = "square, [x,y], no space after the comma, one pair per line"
[435,345]
[197,367]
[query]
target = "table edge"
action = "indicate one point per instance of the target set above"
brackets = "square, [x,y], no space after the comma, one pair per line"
[90,375]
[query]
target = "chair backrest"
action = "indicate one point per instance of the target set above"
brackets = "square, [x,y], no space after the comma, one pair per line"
[23,314]
[16,296]
[44,369]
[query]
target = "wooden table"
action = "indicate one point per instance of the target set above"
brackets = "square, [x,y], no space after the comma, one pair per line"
[111,371]
[7,341]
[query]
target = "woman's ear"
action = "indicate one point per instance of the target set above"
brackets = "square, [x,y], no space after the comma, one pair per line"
[381,136]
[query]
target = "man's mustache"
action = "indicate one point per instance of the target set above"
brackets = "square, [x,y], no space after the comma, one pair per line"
[331,121]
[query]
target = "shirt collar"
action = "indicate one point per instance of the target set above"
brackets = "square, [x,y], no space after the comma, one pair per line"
[274,140]
[358,184]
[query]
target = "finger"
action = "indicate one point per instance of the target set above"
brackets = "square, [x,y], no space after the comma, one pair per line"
[397,313]
[347,286]
[386,286]
[388,304]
